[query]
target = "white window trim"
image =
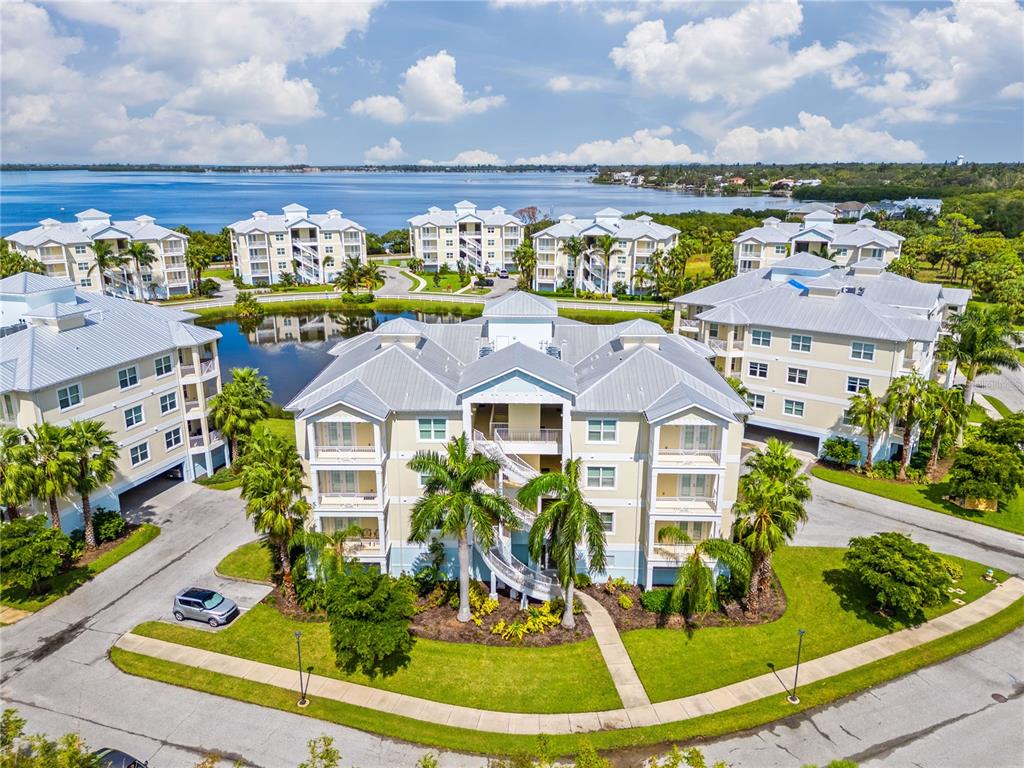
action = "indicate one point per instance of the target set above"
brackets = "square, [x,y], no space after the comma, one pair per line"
[149,454]
[161,404]
[142,412]
[420,439]
[859,388]
[81,396]
[138,380]
[806,372]
[755,395]
[615,521]
[181,439]
[167,373]
[863,359]
[771,337]
[615,428]
[803,408]
[751,364]
[810,346]
[615,478]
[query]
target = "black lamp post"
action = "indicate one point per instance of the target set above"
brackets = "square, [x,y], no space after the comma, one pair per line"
[793,698]
[302,688]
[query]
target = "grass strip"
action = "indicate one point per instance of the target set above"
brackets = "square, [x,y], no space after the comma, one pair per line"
[67,582]
[1002,408]
[740,718]
[251,562]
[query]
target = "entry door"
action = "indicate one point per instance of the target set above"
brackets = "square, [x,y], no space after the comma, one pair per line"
[696,437]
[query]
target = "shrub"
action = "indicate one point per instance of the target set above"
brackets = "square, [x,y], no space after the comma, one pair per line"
[841,450]
[358,298]
[729,589]
[901,574]
[108,524]
[614,585]
[986,471]
[955,570]
[31,552]
[1008,431]
[557,606]
[582,580]
[885,469]
[625,602]
[659,601]
[431,574]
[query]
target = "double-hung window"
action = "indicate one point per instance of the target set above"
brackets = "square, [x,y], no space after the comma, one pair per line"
[799,343]
[793,408]
[757,370]
[602,430]
[133,416]
[433,428]
[69,396]
[600,477]
[755,401]
[172,439]
[797,376]
[862,350]
[607,521]
[855,384]
[163,365]
[760,338]
[128,377]
[168,402]
[780,250]
[847,418]
[139,453]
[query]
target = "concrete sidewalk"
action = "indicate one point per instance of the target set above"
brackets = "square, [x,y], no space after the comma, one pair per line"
[627,683]
[710,702]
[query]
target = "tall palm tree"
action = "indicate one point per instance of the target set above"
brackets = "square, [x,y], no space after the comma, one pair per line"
[694,587]
[947,412]
[241,403]
[526,262]
[197,258]
[96,454]
[370,276]
[606,247]
[562,525]
[872,415]
[348,279]
[272,487]
[16,470]
[641,277]
[981,340]
[142,256]
[330,548]
[106,261]
[456,503]
[574,248]
[905,396]
[771,503]
[55,464]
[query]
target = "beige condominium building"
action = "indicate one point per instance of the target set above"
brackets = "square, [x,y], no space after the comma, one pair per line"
[817,234]
[482,239]
[312,246]
[66,251]
[805,334]
[147,373]
[636,241]
[658,431]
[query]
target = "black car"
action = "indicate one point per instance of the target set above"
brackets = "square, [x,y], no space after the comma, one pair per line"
[115,758]
[484,282]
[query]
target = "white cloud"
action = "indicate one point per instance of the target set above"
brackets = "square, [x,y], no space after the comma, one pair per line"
[33,50]
[468,157]
[644,146]
[384,153]
[1012,91]
[815,139]
[623,15]
[429,93]
[737,58]
[565,84]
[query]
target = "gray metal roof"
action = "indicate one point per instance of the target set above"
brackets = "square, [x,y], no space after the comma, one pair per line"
[804,261]
[28,282]
[521,358]
[520,304]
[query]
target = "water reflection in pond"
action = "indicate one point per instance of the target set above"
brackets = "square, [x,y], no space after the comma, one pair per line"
[290,349]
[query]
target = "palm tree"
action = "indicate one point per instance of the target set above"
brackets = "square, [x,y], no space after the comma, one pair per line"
[56,464]
[415,264]
[96,454]
[106,260]
[871,414]
[141,254]
[526,262]
[946,410]
[456,503]
[981,340]
[641,277]
[348,279]
[272,486]
[370,276]
[16,470]
[329,548]
[771,503]
[574,248]
[562,524]
[607,247]
[694,588]
[197,258]
[905,396]
[241,403]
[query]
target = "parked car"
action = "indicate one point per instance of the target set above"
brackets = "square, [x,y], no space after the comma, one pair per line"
[484,282]
[503,274]
[115,758]
[204,605]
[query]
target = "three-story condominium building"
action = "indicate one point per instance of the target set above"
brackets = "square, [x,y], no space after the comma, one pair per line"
[817,234]
[484,240]
[658,430]
[805,334]
[312,246]
[636,241]
[147,373]
[66,251]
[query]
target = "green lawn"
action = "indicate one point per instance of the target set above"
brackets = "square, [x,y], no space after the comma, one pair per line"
[70,580]
[566,678]
[283,428]
[1010,517]
[999,405]
[225,478]
[250,561]
[446,283]
[224,273]
[976,414]
[821,598]
[604,317]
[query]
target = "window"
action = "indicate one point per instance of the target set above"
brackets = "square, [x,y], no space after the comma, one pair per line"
[798,343]
[328,249]
[713,330]
[607,521]
[128,377]
[423,478]
[279,237]
[139,454]
[328,235]
[622,259]
[339,482]
[433,428]
[602,430]
[855,384]
[172,439]
[282,265]
[147,278]
[760,338]
[698,486]
[755,401]
[85,282]
[133,416]
[862,350]
[168,402]
[793,408]
[83,266]
[780,250]
[797,376]
[280,251]
[448,243]
[79,251]
[600,477]
[848,419]
[163,365]
[69,396]
[758,370]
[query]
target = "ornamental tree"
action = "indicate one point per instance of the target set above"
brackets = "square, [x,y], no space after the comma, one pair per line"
[31,553]
[984,470]
[901,574]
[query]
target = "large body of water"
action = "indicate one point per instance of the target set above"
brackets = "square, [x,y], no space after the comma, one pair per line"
[378,201]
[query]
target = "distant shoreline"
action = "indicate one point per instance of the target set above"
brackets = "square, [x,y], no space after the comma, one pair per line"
[298,169]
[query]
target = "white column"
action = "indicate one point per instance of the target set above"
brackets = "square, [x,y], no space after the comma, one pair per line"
[677,316]
[310,441]
[378,441]
[566,432]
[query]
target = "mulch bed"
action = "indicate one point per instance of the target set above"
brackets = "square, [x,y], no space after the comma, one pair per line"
[730,615]
[90,557]
[275,599]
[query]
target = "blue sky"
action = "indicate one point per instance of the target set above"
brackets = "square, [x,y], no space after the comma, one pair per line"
[512,80]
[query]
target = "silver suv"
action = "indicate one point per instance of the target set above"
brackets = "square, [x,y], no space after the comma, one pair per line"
[204,605]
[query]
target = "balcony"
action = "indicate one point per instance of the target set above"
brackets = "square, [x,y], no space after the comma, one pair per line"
[349,500]
[688,457]
[685,505]
[207,368]
[659,551]
[519,441]
[345,454]
[723,345]
[196,441]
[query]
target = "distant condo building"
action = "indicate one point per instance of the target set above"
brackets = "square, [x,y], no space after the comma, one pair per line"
[482,239]
[818,235]
[312,246]
[636,241]
[66,251]
[147,373]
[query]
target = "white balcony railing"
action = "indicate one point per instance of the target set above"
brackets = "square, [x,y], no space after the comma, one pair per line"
[528,435]
[349,499]
[341,452]
[687,455]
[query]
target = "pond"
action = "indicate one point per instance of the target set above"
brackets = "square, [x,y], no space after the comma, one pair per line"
[291,349]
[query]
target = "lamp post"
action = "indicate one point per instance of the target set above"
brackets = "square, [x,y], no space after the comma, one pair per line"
[793,698]
[302,688]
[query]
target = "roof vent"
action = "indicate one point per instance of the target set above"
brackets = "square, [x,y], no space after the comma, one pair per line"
[334,213]
[259,214]
[145,219]
[49,223]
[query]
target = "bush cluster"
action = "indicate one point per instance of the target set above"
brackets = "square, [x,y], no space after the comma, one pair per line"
[108,525]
